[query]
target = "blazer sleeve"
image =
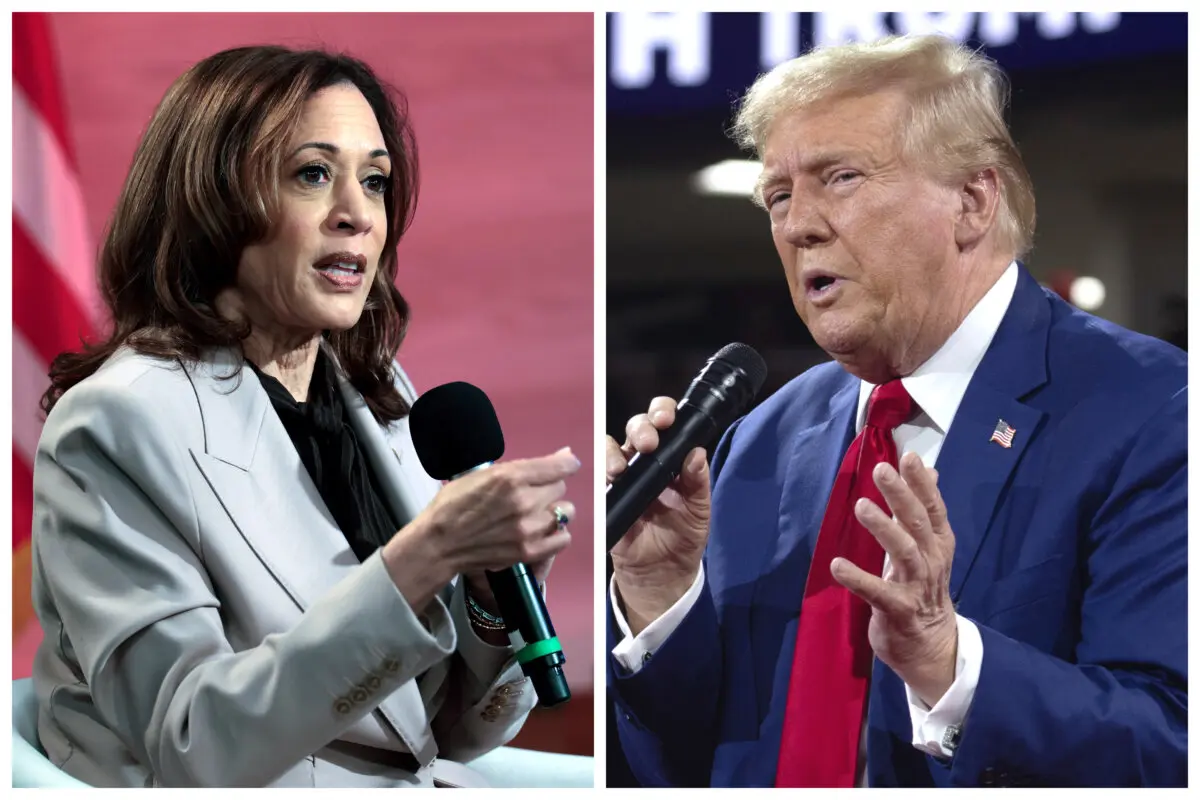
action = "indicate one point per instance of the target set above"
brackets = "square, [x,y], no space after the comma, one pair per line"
[1118,716]
[119,554]
[667,713]
[487,696]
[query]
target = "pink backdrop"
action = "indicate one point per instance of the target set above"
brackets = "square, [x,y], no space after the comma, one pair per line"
[498,263]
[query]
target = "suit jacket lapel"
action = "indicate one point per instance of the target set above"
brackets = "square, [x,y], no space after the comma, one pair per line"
[407,487]
[979,469]
[815,457]
[249,460]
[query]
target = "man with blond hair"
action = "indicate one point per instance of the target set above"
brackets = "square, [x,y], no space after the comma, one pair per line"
[957,554]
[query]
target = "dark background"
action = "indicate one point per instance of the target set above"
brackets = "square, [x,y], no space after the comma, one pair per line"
[1101,119]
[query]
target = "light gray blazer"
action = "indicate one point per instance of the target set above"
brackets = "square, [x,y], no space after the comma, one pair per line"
[206,622]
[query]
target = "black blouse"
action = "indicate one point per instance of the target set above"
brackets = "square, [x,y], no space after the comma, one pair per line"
[321,431]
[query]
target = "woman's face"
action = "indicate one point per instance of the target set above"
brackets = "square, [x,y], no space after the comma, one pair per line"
[313,271]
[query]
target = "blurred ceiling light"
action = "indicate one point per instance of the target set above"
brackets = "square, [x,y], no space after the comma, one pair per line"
[733,177]
[1087,292]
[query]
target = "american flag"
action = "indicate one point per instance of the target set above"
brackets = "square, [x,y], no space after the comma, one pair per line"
[55,298]
[1003,433]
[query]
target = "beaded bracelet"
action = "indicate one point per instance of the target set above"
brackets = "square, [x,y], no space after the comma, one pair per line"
[480,617]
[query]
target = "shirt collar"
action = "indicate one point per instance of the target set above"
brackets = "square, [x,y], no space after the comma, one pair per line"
[938,385]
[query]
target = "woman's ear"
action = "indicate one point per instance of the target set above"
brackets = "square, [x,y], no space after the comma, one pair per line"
[229,304]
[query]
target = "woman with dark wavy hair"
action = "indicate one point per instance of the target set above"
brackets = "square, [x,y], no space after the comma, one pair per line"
[243,574]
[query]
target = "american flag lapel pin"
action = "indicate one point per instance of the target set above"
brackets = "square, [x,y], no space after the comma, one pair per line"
[1003,435]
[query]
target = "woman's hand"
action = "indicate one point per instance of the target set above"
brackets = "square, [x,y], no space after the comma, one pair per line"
[488,520]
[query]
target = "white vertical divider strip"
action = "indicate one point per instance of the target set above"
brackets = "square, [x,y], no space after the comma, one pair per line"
[599,323]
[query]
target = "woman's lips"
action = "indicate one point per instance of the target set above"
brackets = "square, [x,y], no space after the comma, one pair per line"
[341,279]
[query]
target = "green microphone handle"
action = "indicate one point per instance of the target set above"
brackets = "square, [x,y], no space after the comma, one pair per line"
[532,634]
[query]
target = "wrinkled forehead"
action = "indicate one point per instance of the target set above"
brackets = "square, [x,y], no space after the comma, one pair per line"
[873,122]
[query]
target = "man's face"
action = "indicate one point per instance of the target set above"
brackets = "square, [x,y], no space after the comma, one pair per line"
[866,238]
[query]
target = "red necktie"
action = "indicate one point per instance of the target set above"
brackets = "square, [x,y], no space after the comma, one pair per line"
[822,723]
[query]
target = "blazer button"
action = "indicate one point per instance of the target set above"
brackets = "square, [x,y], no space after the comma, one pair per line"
[342,706]
[987,777]
[372,683]
[391,665]
[359,695]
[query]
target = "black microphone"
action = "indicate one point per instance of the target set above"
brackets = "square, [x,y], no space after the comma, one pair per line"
[719,394]
[455,431]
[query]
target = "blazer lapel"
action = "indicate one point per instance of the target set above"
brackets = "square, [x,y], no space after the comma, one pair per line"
[978,469]
[249,459]
[816,454]
[407,487]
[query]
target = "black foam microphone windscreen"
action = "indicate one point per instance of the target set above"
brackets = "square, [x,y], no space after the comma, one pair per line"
[454,429]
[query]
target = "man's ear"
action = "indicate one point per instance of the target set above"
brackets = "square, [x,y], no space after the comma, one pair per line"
[979,202]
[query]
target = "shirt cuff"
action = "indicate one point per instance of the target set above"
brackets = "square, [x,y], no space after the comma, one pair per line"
[634,651]
[930,726]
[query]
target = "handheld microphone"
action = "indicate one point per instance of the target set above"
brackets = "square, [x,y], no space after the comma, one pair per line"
[455,431]
[718,395]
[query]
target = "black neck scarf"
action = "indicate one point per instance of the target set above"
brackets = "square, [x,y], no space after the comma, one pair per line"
[321,431]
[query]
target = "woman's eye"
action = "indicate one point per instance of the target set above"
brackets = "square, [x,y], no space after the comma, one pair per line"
[376,184]
[313,174]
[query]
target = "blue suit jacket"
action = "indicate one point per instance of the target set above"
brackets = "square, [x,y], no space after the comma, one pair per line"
[1071,557]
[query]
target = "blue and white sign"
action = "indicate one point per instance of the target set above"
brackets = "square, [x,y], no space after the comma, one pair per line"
[664,60]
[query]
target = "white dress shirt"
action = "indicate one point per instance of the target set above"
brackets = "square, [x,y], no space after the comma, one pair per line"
[937,387]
